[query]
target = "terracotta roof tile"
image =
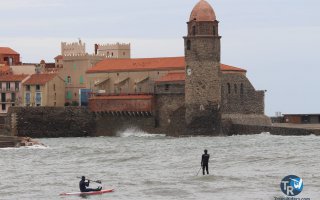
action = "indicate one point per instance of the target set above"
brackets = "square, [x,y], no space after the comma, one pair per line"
[39,79]
[13,77]
[173,77]
[123,97]
[59,57]
[7,50]
[147,64]
[202,12]
[4,68]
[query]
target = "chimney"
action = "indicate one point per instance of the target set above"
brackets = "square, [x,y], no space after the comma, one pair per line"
[96,46]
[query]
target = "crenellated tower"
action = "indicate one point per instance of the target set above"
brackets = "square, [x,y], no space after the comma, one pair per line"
[203,76]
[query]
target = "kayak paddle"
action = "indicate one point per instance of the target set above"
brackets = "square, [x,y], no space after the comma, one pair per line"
[97,181]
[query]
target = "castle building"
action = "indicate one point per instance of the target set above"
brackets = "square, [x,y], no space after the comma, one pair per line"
[74,61]
[116,50]
[194,94]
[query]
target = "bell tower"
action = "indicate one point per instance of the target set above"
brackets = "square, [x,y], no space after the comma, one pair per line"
[203,75]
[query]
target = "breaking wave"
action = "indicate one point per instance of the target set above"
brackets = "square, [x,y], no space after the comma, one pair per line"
[135,132]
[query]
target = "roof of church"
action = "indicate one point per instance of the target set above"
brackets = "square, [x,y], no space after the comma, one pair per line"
[147,64]
[203,12]
[173,77]
[7,50]
[123,97]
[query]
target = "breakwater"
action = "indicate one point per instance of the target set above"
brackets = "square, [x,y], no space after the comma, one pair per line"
[52,122]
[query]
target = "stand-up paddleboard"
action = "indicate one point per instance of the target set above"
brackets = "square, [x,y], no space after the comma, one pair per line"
[87,193]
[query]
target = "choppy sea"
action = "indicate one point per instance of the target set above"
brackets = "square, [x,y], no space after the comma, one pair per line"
[142,166]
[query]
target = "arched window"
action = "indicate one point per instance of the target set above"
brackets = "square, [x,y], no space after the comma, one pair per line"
[188,45]
[235,88]
[193,30]
[69,80]
[229,88]
[241,88]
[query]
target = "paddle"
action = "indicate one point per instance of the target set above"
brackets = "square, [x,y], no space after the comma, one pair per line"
[199,170]
[97,181]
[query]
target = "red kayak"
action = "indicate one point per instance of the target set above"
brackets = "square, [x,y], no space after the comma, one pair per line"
[87,193]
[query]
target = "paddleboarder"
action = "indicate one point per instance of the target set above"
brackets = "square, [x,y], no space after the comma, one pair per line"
[205,162]
[83,185]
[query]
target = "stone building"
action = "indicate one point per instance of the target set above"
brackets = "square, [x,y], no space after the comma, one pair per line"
[11,91]
[116,50]
[194,94]
[44,90]
[74,61]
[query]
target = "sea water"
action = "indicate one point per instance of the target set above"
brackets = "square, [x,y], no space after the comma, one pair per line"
[143,166]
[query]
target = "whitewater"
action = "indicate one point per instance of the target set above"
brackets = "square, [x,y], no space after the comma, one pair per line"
[143,166]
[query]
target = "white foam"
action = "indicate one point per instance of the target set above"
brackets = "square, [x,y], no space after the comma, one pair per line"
[135,132]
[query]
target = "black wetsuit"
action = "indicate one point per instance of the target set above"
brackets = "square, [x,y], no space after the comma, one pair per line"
[83,187]
[204,163]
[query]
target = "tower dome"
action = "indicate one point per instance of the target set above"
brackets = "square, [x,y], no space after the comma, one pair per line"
[202,12]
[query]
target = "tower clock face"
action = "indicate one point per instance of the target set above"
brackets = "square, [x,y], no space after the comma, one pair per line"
[189,72]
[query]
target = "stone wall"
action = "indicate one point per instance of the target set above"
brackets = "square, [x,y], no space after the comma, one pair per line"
[239,96]
[166,105]
[110,125]
[237,129]
[42,122]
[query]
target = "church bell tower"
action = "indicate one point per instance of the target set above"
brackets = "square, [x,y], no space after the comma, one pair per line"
[203,75]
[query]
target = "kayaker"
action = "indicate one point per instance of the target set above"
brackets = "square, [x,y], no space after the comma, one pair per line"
[83,185]
[205,162]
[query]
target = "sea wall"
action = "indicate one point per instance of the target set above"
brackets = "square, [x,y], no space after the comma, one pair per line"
[41,122]
[240,129]
[112,124]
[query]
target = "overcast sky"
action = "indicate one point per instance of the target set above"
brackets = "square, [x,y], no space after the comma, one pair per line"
[277,41]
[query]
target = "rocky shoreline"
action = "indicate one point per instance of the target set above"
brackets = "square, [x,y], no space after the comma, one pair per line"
[13,141]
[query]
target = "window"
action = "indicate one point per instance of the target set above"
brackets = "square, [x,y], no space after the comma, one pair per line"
[55,96]
[188,45]
[3,107]
[241,88]
[27,87]
[54,87]
[229,88]
[124,53]
[38,99]
[8,85]
[166,87]
[75,94]
[69,79]
[81,79]
[16,86]
[13,97]
[235,88]
[69,95]
[37,87]
[214,31]
[28,99]
[3,97]
[112,54]
[193,30]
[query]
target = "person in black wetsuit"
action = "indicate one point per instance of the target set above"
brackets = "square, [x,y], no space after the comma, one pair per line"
[205,162]
[83,185]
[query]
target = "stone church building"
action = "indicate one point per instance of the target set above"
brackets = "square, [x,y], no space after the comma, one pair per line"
[194,94]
